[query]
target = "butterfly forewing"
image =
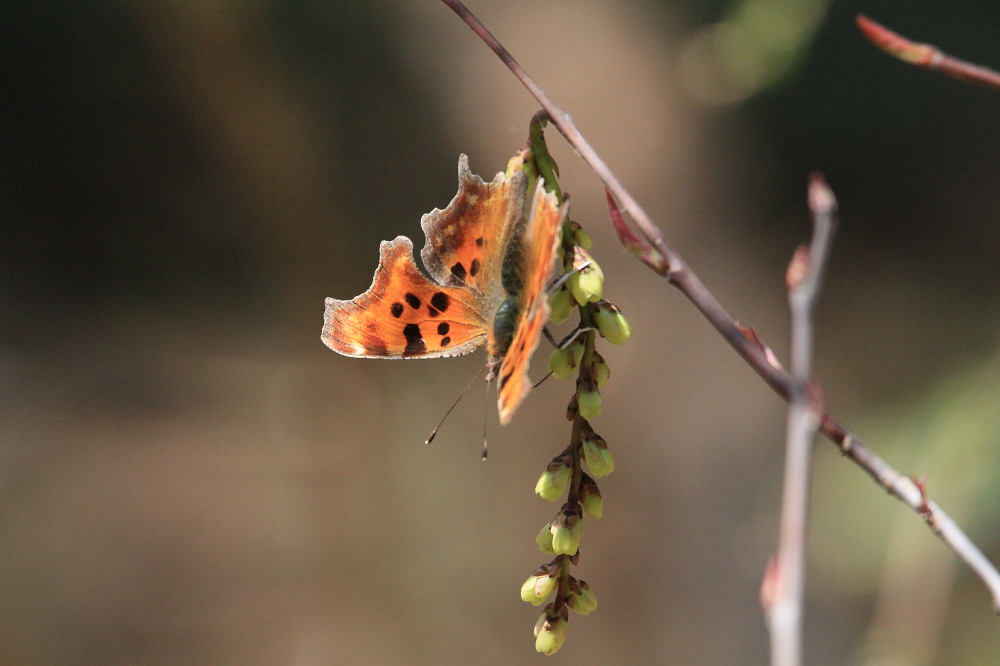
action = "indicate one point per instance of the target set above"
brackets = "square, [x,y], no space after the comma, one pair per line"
[466,241]
[540,239]
[403,314]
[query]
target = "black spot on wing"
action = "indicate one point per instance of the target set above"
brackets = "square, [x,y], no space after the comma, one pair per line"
[441,301]
[414,340]
[474,268]
[445,341]
[396,309]
[413,301]
[458,270]
[479,241]
[443,328]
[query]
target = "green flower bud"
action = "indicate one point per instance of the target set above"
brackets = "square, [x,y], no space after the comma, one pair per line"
[587,283]
[538,587]
[572,409]
[561,306]
[581,599]
[553,480]
[596,455]
[612,324]
[544,540]
[593,505]
[599,369]
[590,498]
[588,399]
[550,633]
[563,362]
[567,530]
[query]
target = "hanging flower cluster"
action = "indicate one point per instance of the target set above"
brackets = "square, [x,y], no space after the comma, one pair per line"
[574,471]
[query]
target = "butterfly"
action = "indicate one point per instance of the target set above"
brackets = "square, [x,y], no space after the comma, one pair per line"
[490,255]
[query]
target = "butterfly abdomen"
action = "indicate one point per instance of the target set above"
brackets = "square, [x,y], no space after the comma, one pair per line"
[504,326]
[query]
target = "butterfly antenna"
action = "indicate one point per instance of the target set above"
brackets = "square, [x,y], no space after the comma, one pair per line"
[486,420]
[430,438]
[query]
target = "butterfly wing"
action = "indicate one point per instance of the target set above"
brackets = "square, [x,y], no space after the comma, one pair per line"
[540,241]
[404,314]
[466,241]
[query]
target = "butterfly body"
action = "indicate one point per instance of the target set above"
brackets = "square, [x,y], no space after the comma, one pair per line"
[490,255]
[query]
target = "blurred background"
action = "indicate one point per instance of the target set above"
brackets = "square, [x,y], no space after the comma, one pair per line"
[190,477]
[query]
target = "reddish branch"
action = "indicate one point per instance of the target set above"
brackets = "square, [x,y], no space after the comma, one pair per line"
[753,352]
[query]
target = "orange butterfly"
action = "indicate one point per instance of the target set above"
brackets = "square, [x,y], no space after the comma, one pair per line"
[490,255]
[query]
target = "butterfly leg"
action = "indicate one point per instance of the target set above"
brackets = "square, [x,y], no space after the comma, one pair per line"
[573,335]
[557,285]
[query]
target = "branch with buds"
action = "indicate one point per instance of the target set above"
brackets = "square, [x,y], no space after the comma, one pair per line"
[581,290]
[650,246]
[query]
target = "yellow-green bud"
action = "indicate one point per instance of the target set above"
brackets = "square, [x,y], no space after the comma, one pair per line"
[581,599]
[593,505]
[596,455]
[590,497]
[612,324]
[600,370]
[537,588]
[567,530]
[544,540]
[587,283]
[561,306]
[572,409]
[550,633]
[553,480]
[588,400]
[563,362]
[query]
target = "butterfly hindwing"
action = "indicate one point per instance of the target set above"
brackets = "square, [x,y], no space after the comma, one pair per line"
[404,314]
[539,240]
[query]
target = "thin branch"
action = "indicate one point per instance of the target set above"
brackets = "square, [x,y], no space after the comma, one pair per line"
[786,576]
[926,55]
[755,354]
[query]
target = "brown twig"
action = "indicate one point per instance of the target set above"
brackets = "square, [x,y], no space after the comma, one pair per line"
[926,55]
[786,575]
[755,354]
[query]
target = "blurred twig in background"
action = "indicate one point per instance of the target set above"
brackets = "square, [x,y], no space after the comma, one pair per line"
[926,55]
